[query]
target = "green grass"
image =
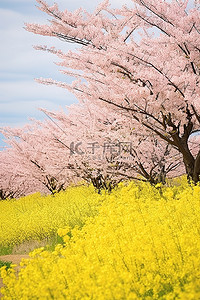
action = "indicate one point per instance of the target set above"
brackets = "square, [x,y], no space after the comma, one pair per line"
[5,263]
[6,250]
[53,242]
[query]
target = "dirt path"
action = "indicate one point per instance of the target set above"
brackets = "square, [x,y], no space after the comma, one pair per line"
[15,259]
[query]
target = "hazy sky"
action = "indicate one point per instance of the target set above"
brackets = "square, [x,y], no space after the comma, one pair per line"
[20,95]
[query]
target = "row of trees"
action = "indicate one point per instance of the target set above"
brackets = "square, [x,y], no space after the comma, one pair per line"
[137,78]
[84,144]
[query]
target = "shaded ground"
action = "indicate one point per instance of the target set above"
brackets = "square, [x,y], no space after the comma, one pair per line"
[15,259]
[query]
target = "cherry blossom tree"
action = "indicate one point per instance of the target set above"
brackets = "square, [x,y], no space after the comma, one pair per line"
[85,143]
[15,180]
[35,159]
[105,149]
[143,61]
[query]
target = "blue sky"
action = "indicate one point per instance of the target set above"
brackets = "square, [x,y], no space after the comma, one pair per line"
[20,95]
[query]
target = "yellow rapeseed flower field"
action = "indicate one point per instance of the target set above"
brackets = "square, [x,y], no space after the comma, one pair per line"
[143,244]
[36,217]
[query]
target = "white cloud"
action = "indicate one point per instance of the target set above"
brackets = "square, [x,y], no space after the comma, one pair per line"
[13,92]
[15,1]
[30,108]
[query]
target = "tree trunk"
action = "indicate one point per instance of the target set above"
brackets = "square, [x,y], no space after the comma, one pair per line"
[192,166]
[188,159]
[196,171]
